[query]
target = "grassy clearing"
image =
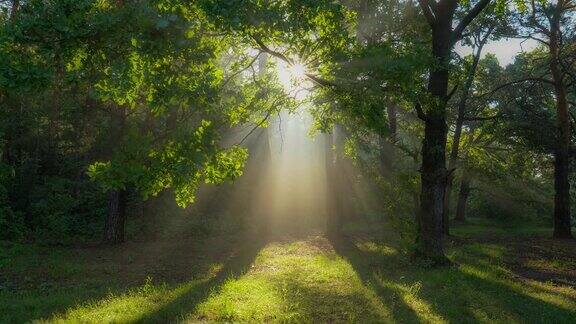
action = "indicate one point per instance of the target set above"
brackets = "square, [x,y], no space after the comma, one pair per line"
[363,278]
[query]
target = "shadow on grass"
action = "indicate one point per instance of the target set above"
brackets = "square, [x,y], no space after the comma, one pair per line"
[296,279]
[27,306]
[188,301]
[366,265]
[37,281]
[475,289]
[328,302]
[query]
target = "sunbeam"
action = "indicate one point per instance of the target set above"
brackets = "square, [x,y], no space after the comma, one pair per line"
[293,78]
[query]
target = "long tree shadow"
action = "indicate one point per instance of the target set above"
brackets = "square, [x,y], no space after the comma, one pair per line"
[366,264]
[186,303]
[243,195]
[476,289]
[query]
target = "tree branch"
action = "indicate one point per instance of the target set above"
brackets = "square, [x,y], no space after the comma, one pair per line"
[318,80]
[419,112]
[473,13]
[507,84]
[240,71]
[428,12]
[483,118]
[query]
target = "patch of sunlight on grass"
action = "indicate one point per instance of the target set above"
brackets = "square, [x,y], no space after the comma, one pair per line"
[410,294]
[373,247]
[250,298]
[551,264]
[307,281]
[303,281]
[478,287]
[126,307]
[567,291]
[545,292]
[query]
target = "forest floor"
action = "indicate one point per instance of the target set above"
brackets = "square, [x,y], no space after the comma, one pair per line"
[498,275]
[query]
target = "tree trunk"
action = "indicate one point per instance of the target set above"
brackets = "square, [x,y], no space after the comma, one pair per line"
[433,170]
[15,9]
[392,122]
[334,200]
[114,231]
[433,177]
[562,226]
[330,200]
[463,197]
[458,133]
[339,178]
[386,150]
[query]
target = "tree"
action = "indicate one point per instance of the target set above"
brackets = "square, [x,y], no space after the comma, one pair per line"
[440,17]
[552,25]
[154,94]
[481,31]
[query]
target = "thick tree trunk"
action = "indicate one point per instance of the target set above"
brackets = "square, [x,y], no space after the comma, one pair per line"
[463,197]
[433,170]
[562,225]
[114,231]
[433,177]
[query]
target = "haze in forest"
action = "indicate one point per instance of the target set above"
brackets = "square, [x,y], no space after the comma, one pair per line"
[348,161]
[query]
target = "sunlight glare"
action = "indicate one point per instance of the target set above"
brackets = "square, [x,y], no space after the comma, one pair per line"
[298,71]
[293,78]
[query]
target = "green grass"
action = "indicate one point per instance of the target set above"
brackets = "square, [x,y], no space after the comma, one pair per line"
[477,227]
[363,279]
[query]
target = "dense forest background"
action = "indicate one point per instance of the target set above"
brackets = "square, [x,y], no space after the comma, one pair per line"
[116,115]
[100,116]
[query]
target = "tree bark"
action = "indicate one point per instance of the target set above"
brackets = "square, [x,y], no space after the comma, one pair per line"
[429,243]
[463,196]
[562,226]
[114,231]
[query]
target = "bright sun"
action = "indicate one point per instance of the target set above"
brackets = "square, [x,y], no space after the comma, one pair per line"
[292,76]
[297,70]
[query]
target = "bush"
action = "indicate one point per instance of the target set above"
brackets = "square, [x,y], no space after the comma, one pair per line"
[62,210]
[11,223]
[510,209]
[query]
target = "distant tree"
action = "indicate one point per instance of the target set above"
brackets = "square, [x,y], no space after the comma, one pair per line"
[552,25]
